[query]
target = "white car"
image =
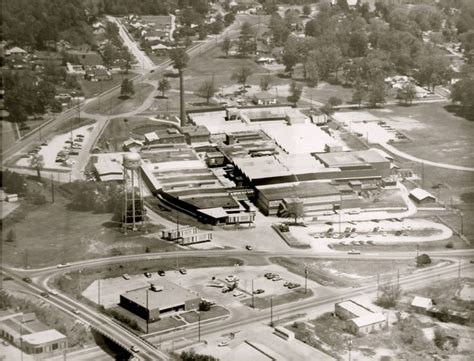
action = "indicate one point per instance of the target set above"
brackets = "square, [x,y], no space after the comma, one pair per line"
[62,265]
[223,343]
[238,293]
[53,292]
[353,251]
[135,349]
[126,276]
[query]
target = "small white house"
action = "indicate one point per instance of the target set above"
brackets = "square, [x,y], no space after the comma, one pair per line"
[421,304]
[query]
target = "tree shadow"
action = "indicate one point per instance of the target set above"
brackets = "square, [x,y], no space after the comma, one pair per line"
[460,111]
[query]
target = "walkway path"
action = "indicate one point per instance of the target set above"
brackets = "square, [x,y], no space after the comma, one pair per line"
[399,153]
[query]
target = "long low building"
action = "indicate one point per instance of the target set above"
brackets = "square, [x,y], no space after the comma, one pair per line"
[316,196]
[160,299]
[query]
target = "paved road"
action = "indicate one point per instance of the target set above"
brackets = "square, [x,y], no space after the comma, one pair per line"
[143,60]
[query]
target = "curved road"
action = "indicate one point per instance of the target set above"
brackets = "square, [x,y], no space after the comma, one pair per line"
[401,154]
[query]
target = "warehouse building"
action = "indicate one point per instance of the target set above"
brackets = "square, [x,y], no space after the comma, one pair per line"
[360,319]
[32,336]
[315,196]
[158,300]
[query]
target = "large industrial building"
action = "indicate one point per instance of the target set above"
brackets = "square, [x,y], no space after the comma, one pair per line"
[159,299]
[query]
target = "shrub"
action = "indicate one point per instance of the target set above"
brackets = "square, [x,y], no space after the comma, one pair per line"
[423,259]
[204,306]
[449,245]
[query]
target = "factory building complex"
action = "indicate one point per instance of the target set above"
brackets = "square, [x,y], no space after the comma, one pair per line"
[227,161]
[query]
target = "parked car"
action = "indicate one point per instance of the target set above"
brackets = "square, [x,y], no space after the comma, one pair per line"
[161,273]
[225,289]
[231,278]
[286,284]
[293,285]
[353,251]
[276,278]
[238,293]
[134,349]
[147,274]
[223,343]
[76,311]
[27,280]
[183,271]
[248,247]
[126,276]
[259,291]
[268,275]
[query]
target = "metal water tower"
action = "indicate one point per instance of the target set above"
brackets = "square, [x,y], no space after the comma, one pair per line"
[133,210]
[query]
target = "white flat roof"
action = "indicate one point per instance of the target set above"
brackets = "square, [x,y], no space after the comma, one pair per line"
[422,302]
[42,337]
[369,319]
[421,194]
[355,308]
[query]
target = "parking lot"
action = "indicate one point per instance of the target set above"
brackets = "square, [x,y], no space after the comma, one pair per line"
[199,280]
[320,235]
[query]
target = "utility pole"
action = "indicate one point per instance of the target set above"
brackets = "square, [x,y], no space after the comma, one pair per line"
[417,252]
[422,174]
[52,189]
[306,280]
[199,327]
[459,270]
[340,212]
[21,338]
[271,311]
[26,258]
[350,348]
[253,296]
[98,291]
[398,278]
[80,281]
[462,223]
[378,286]
[177,263]
[148,312]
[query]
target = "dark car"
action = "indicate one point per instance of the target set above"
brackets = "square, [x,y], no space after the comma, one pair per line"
[258,291]
[161,273]
[27,280]
[7,278]
[248,247]
[45,294]
[147,274]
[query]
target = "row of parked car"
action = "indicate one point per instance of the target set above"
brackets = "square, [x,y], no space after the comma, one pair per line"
[160,273]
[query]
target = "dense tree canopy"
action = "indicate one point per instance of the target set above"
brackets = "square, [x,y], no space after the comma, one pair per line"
[32,23]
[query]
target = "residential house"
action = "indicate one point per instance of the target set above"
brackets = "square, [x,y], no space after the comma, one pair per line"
[98,74]
[360,319]
[264,98]
[15,51]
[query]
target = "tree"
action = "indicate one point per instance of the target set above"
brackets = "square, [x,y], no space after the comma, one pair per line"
[11,235]
[295,209]
[193,356]
[423,260]
[207,89]
[229,18]
[389,295]
[334,102]
[226,46]
[377,92]
[433,69]
[266,82]
[241,75]
[37,163]
[407,93]
[295,93]
[180,59]
[306,9]
[463,90]
[359,93]
[290,53]
[163,86]
[127,89]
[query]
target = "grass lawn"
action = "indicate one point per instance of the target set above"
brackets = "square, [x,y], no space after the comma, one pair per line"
[430,125]
[116,105]
[94,88]
[323,91]
[73,124]
[215,311]
[51,233]
[262,302]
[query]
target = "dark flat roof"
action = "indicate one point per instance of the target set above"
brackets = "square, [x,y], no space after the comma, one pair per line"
[211,201]
[301,190]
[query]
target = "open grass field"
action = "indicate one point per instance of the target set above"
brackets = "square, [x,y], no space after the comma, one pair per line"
[93,88]
[430,127]
[350,272]
[116,105]
[51,233]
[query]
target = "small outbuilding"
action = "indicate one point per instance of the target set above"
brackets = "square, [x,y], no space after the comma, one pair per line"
[264,98]
[420,196]
[421,304]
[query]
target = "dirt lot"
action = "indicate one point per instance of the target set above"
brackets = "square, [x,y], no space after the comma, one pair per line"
[119,130]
